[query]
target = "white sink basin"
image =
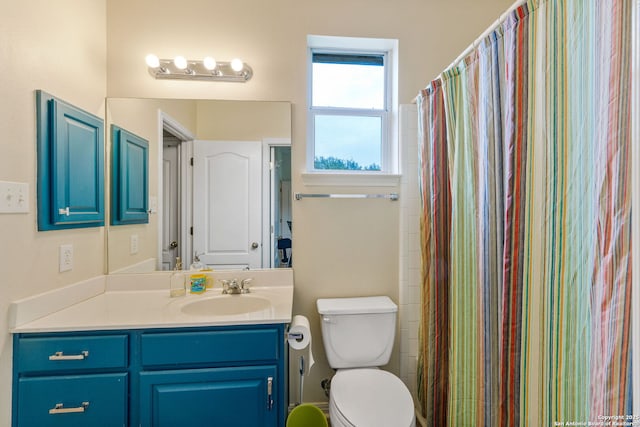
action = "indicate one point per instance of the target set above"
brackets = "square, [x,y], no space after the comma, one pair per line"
[227,305]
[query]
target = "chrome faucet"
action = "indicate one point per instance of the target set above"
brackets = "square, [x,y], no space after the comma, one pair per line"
[233,287]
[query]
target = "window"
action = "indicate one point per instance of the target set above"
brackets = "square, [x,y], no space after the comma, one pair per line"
[350,110]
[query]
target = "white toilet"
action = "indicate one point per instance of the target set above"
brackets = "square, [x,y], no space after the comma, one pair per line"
[358,335]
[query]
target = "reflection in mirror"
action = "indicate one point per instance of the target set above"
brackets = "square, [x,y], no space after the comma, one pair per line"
[219,185]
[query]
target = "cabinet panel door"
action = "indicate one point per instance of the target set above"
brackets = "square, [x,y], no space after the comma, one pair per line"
[225,397]
[70,165]
[129,178]
[78,165]
[69,401]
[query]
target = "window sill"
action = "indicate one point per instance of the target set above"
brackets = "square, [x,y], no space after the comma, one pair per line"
[358,179]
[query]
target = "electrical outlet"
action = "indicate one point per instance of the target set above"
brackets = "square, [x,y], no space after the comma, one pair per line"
[66,258]
[14,197]
[133,244]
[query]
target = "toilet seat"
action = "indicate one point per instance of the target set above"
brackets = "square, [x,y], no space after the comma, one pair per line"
[369,397]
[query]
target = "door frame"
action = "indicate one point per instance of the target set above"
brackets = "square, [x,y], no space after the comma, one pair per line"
[166,122]
[268,196]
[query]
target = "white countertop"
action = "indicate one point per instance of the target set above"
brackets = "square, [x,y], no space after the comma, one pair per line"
[150,307]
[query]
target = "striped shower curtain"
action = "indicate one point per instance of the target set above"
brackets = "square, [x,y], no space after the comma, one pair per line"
[526,223]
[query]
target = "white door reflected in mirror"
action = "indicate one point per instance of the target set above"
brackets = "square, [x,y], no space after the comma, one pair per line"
[227,204]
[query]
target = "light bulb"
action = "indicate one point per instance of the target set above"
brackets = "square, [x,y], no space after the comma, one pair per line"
[152,61]
[180,62]
[209,63]
[237,65]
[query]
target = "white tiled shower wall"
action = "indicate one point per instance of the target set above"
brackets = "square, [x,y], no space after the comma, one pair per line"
[409,317]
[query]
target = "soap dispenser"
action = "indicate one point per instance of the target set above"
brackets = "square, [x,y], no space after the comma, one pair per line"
[198,280]
[177,286]
[196,264]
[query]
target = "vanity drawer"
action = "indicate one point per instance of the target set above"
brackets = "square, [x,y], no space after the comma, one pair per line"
[68,401]
[209,347]
[64,354]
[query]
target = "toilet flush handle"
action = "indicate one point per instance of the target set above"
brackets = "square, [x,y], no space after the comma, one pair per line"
[327,319]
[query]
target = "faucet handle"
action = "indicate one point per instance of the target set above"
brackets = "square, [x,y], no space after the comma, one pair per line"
[244,285]
[225,285]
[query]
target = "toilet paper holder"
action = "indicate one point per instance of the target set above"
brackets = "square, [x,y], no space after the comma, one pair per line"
[295,336]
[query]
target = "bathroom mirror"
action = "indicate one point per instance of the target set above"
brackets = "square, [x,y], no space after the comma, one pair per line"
[230,205]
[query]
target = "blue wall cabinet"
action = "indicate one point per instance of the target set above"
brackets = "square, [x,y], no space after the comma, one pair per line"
[129,178]
[70,165]
[231,376]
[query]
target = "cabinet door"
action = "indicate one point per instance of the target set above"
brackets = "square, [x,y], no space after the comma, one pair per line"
[224,397]
[70,166]
[78,165]
[129,178]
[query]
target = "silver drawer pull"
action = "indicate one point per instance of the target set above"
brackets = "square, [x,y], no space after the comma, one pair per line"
[61,356]
[269,393]
[60,409]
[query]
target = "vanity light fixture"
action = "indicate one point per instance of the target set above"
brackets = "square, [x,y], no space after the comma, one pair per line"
[205,69]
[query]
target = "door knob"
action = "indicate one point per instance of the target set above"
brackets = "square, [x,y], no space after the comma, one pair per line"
[173,245]
[254,245]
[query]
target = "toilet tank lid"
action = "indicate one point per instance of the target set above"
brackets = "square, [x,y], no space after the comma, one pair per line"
[359,305]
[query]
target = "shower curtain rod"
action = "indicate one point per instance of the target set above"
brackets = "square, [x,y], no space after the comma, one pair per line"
[482,36]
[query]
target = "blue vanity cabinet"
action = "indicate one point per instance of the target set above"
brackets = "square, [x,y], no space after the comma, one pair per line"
[228,376]
[231,376]
[70,380]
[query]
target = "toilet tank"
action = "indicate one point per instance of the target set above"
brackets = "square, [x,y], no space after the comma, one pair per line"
[358,332]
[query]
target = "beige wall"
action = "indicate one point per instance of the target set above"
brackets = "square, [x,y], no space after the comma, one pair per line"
[341,247]
[59,47]
[243,121]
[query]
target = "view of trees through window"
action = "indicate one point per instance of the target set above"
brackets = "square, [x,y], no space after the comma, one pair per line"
[342,164]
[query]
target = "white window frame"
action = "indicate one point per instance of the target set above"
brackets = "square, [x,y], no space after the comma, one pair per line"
[389,173]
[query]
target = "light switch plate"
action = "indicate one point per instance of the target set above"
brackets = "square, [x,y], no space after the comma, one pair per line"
[14,197]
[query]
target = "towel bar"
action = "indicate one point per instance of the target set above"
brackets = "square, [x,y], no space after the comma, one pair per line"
[390,196]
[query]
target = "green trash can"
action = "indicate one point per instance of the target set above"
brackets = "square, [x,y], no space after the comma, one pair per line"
[307,415]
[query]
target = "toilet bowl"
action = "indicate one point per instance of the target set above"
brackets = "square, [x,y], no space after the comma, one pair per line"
[358,336]
[369,397]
